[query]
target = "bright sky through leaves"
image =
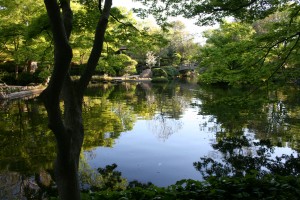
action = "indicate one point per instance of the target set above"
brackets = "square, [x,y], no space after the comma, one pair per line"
[196,31]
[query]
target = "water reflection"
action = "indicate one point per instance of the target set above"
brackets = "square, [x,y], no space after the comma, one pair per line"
[25,140]
[189,120]
[153,132]
[243,155]
[267,116]
[163,127]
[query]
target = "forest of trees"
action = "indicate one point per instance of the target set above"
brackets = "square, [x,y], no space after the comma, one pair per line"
[26,39]
[259,43]
[243,50]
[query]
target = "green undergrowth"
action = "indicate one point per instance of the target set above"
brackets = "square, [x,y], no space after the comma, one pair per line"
[248,187]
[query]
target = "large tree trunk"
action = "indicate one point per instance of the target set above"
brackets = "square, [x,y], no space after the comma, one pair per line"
[68,129]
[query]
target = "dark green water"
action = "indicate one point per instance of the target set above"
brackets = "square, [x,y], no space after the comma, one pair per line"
[152,132]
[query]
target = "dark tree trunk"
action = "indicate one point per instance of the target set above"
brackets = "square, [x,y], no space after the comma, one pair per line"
[68,129]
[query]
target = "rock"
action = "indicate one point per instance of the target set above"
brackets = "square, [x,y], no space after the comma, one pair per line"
[147,73]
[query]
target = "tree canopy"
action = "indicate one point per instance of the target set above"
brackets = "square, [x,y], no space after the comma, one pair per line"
[211,11]
[267,50]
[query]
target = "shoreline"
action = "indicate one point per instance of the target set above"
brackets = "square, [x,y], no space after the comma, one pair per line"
[10,92]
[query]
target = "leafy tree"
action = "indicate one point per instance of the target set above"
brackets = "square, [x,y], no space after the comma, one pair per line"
[117,65]
[68,128]
[211,11]
[265,51]
[181,48]
[278,47]
[226,53]
[24,38]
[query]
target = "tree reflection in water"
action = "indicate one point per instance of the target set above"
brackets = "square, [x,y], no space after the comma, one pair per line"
[251,129]
[239,128]
[163,126]
[242,156]
[170,106]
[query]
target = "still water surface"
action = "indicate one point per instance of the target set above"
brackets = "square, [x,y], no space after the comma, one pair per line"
[154,133]
[162,147]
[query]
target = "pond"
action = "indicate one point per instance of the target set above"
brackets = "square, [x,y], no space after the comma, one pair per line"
[152,132]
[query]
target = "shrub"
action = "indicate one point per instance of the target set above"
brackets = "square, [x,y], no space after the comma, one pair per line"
[268,187]
[159,72]
[171,71]
[160,80]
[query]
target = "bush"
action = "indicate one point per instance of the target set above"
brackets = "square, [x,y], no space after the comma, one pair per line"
[9,78]
[268,187]
[9,66]
[160,80]
[25,78]
[171,71]
[159,72]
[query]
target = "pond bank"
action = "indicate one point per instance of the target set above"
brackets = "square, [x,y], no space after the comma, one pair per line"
[14,92]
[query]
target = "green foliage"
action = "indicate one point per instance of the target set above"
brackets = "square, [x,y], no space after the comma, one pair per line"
[171,71]
[159,80]
[118,64]
[22,32]
[159,72]
[104,179]
[181,47]
[27,145]
[269,187]
[159,75]
[227,54]
[25,35]
[37,26]
[210,11]
[239,54]
[42,73]
[26,78]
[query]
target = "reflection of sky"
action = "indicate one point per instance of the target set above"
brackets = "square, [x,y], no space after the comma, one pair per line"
[141,154]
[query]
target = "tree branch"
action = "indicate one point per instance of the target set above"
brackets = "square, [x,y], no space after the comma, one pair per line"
[67,16]
[125,24]
[97,48]
[229,8]
[282,62]
[62,59]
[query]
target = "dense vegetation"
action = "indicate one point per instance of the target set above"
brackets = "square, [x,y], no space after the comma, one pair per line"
[242,51]
[257,42]
[26,43]
[239,175]
[252,54]
[259,47]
